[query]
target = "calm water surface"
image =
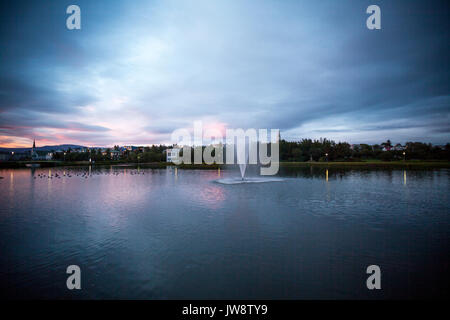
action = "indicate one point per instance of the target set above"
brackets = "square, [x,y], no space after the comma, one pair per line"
[166,233]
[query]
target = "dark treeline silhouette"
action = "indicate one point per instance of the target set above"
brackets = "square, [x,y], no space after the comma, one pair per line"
[324,149]
[142,154]
[328,150]
[304,150]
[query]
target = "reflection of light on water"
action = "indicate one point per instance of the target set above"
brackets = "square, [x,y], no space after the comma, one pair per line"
[218,172]
[176,173]
[404,177]
[212,196]
[11,181]
[328,195]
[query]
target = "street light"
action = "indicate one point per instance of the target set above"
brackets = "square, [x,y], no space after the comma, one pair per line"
[64,156]
[326,155]
[404,156]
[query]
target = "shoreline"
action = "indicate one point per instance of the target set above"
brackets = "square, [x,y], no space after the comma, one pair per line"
[375,164]
[285,164]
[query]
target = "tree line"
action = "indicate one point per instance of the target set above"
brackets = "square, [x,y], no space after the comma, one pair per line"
[301,151]
[154,153]
[328,150]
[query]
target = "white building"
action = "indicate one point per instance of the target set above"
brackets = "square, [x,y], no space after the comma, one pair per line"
[172,154]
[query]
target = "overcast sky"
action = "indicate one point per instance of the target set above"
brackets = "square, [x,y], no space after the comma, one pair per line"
[137,70]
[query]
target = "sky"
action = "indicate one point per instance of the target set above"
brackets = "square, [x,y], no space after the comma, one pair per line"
[138,70]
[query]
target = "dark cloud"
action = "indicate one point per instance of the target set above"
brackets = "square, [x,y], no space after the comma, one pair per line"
[301,66]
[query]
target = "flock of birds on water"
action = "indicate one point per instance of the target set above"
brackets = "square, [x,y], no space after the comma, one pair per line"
[84,175]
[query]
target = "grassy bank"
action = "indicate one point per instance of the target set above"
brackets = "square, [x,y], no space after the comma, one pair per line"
[372,163]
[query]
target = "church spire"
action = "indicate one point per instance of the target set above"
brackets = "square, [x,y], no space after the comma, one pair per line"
[34,143]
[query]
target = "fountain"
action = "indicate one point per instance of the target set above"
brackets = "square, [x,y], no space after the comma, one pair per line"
[239,180]
[242,168]
[242,160]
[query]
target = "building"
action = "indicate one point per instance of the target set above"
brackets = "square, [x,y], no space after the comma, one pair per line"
[134,148]
[115,154]
[172,154]
[40,155]
[398,147]
[34,155]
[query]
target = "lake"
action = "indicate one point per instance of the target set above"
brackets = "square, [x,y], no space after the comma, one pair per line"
[142,233]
